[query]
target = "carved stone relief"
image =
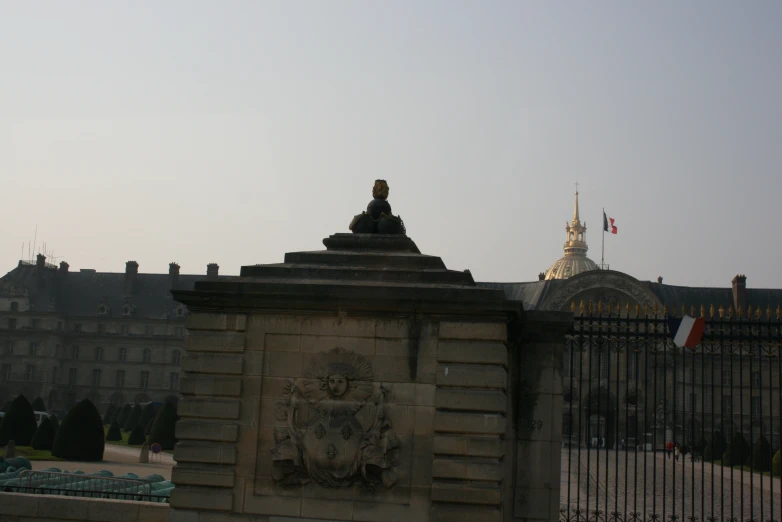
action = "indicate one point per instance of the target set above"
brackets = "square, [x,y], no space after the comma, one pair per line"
[336,430]
[599,279]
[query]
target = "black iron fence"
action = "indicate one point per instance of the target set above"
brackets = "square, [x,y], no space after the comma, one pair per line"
[654,432]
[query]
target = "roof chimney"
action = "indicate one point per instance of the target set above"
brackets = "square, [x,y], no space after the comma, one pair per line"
[40,260]
[173,275]
[659,280]
[131,270]
[212,269]
[64,267]
[740,292]
[542,276]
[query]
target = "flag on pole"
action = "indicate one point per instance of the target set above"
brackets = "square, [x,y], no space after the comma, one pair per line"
[609,227]
[686,331]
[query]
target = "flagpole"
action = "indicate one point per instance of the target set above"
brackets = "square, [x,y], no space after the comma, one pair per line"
[603,246]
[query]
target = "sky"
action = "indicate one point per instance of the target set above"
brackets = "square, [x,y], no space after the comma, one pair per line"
[235,131]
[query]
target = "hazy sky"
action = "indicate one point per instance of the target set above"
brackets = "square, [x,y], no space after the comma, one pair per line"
[233,132]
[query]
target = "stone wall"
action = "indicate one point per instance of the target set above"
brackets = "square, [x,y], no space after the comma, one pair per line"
[18,507]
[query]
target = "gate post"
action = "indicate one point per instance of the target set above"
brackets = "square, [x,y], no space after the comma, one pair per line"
[534,436]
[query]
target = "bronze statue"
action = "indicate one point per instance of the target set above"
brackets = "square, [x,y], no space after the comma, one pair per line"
[378,218]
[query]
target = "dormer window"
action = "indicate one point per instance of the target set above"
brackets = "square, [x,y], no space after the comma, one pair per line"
[103,309]
[181,311]
[14,306]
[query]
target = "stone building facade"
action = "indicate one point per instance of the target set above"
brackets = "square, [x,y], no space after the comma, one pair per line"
[110,337]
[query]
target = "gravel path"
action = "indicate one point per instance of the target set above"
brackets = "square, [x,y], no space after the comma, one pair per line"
[625,487]
[118,460]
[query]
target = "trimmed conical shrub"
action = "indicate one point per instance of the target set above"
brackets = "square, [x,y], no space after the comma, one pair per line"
[715,448]
[109,415]
[55,423]
[136,436]
[44,436]
[19,423]
[38,404]
[80,436]
[737,452]
[147,416]
[133,418]
[123,415]
[114,433]
[761,455]
[164,426]
[776,465]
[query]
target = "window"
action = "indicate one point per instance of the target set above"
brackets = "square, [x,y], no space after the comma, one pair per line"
[96,377]
[692,375]
[176,357]
[754,405]
[754,380]
[120,378]
[33,348]
[123,329]
[35,324]
[179,331]
[29,372]
[9,348]
[123,354]
[693,403]
[72,376]
[144,380]
[5,372]
[727,405]
[600,363]
[632,364]
[149,330]
[632,427]
[173,382]
[14,306]
[147,355]
[101,328]
[77,327]
[12,323]
[74,352]
[567,424]
[98,353]
[727,377]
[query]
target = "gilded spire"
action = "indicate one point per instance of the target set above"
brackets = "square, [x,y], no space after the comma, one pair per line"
[576,220]
[575,260]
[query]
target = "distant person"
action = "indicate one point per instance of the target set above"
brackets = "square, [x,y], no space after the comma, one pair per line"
[622,444]
[676,451]
[668,449]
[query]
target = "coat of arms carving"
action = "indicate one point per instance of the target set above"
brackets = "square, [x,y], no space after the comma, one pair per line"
[337,433]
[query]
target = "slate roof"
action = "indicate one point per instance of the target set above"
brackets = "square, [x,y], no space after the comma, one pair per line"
[80,293]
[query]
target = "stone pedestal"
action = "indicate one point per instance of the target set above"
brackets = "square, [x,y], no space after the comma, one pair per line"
[366,382]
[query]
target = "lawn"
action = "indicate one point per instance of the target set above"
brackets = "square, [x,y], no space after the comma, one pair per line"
[123,442]
[741,468]
[33,454]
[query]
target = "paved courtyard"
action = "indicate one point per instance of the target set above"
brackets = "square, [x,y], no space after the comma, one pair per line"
[118,460]
[647,483]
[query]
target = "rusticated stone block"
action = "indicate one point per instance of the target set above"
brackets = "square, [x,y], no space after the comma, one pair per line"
[471,400]
[212,363]
[208,499]
[467,469]
[478,331]
[487,424]
[468,446]
[472,376]
[462,493]
[62,508]
[461,513]
[475,352]
[215,342]
[214,476]
[203,430]
[204,321]
[211,386]
[205,453]
[209,408]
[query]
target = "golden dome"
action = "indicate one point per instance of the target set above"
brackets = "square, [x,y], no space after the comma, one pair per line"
[575,260]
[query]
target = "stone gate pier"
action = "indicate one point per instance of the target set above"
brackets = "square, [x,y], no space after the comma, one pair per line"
[366,382]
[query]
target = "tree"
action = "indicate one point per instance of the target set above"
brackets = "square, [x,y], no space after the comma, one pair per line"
[761,455]
[737,452]
[147,415]
[132,418]
[715,448]
[109,415]
[776,465]
[163,427]
[19,423]
[44,436]
[55,422]
[80,436]
[114,433]
[124,413]
[38,404]
[136,436]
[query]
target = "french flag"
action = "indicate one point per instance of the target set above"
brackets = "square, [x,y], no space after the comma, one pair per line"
[609,228]
[686,331]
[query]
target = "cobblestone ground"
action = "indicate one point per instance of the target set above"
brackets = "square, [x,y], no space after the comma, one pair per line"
[684,489]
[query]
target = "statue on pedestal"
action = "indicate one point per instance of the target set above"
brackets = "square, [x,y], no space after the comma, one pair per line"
[378,218]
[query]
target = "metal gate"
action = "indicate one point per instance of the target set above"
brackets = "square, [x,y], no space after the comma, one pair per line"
[652,432]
